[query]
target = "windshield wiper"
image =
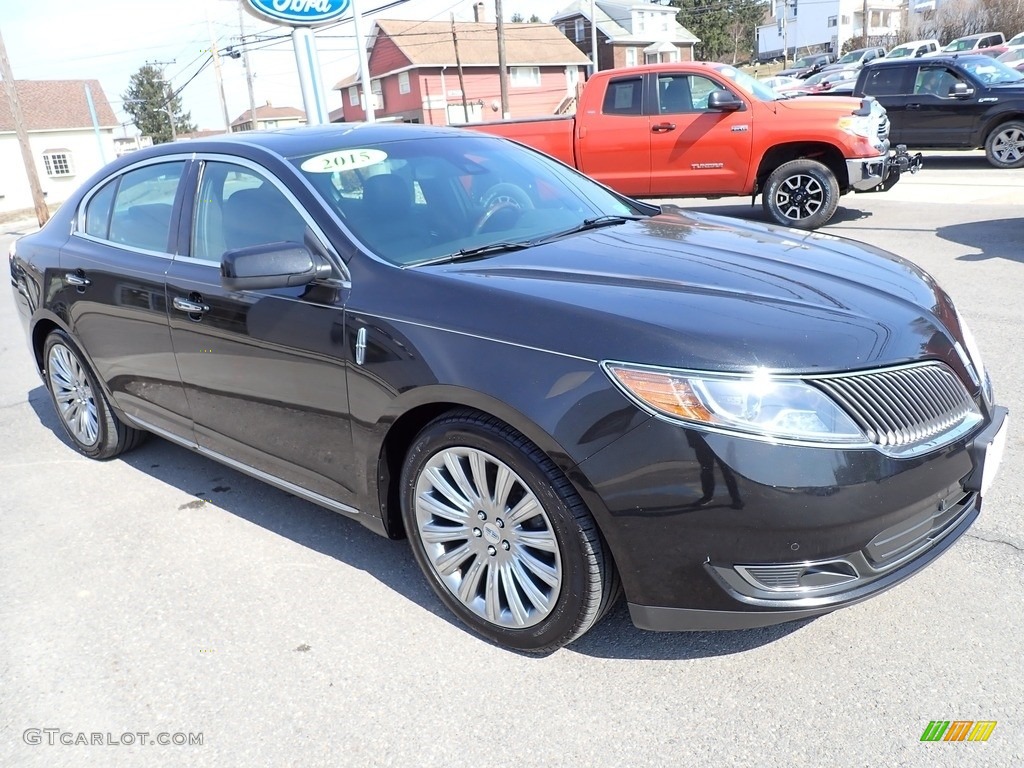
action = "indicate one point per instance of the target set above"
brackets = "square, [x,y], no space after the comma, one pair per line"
[465,254]
[608,220]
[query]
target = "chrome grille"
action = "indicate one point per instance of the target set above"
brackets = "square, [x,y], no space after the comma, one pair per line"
[883,127]
[903,407]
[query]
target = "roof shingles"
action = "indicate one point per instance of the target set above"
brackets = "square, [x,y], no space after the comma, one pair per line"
[58,105]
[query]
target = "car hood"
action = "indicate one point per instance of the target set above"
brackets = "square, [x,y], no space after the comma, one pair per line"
[841,105]
[699,291]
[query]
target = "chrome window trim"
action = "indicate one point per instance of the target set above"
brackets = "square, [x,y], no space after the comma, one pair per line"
[78,222]
[214,157]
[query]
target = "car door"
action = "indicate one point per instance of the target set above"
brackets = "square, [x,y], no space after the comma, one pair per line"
[264,370]
[113,270]
[614,146]
[891,86]
[694,149]
[935,118]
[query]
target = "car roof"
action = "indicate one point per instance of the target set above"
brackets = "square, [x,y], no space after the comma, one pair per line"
[948,58]
[977,36]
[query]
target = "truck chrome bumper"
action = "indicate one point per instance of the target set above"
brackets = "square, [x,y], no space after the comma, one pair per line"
[878,174]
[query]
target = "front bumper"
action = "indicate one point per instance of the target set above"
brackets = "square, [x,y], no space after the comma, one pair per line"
[878,174]
[728,533]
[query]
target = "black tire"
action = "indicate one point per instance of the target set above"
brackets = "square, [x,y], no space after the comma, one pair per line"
[532,616]
[82,408]
[801,193]
[1004,146]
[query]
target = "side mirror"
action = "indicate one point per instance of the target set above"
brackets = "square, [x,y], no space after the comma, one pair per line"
[961,91]
[723,101]
[271,265]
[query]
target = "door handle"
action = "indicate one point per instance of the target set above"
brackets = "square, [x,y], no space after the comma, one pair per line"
[663,127]
[913,106]
[72,278]
[192,307]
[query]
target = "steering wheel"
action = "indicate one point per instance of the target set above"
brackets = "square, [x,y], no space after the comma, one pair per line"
[501,197]
[497,207]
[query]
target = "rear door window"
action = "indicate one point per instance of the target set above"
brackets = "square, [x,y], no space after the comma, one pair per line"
[885,81]
[624,97]
[141,215]
[97,211]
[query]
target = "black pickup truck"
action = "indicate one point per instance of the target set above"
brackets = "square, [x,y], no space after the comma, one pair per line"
[951,102]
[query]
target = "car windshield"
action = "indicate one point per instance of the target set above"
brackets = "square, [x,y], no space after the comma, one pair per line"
[898,53]
[804,62]
[992,72]
[963,44]
[417,201]
[1017,39]
[852,57]
[748,84]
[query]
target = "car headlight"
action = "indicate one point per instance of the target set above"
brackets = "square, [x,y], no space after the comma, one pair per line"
[756,404]
[972,359]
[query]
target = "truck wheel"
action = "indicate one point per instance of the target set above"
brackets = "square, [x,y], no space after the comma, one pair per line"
[801,193]
[1004,147]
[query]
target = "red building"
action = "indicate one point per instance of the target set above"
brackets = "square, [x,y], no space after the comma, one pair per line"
[415,79]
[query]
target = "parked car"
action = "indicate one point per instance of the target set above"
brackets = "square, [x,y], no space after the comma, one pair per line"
[1012,55]
[695,129]
[821,83]
[856,59]
[913,49]
[952,102]
[808,65]
[988,43]
[1016,40]
[555,392]
[779,81]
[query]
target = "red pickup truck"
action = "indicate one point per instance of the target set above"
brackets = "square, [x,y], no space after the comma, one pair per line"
[696,129]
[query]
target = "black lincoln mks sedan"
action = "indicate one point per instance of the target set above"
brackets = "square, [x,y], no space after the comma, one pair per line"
[558,394]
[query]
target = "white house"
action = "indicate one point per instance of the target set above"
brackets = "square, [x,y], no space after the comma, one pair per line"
[63,139]
[817,25]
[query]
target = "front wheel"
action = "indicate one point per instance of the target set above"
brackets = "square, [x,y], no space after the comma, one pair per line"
[801,193]
[501,535]
[1004,147]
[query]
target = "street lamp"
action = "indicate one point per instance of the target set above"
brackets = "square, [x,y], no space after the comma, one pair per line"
[165,109]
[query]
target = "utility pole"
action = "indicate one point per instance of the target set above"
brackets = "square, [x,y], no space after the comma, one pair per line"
[785,32]
[170,95]
[458,65]
[245,63]
[42,212]
[502,68]
[216,69]
[594,63]
[865,24]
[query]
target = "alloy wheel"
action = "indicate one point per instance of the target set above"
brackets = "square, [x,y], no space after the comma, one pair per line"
[75,399]
[487,537]
[1008,146]
[799,196]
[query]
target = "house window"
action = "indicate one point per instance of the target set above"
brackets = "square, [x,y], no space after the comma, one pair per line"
[664,22]
[563,29]
[524,77]
[353,96]
[375,87]
[846,19]
[403,82]
[640,21]
[579,30]
[58,163]
[831,21]
[631,57]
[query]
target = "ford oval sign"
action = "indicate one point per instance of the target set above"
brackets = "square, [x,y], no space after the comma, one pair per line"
[298,13]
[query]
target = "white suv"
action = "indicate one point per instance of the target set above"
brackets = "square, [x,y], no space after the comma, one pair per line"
[913,49]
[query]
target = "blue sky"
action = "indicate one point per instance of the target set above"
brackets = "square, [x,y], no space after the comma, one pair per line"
[109,40]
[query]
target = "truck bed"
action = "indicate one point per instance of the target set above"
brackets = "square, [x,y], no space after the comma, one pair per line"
[551,135]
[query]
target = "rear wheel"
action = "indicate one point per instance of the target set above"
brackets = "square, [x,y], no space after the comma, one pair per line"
[84,412]
[801,193]
[502,536]
[1004,147]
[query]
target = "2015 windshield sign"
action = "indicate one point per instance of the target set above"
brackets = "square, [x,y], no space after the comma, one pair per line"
[298,12]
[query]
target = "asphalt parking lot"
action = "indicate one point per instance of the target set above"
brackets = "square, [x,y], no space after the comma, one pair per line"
[164,593]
